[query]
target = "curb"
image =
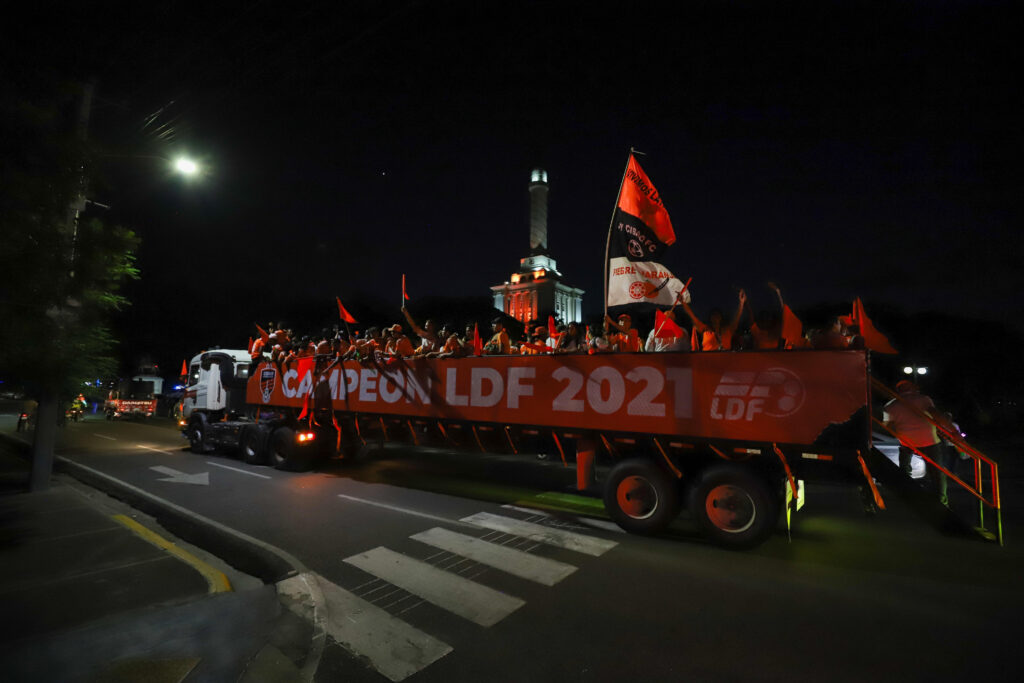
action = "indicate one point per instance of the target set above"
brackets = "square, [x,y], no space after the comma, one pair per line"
[250,555]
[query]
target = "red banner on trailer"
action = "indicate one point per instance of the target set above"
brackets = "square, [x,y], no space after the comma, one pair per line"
[786,396]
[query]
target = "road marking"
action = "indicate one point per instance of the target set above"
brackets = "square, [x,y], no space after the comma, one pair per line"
[155,450]
[108,438]
[468,599]
[407,511]
[216,580]
[515,562]
[237,469]
[588,545]
[393,647]
[595,523]
[176,477]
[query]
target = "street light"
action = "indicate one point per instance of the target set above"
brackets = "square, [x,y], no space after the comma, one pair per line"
[186,166]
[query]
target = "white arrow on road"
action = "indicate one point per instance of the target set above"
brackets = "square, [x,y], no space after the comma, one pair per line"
[176,477]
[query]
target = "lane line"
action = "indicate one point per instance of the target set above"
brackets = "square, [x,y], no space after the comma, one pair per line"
[406,511]
[516,562]
[237,469]
[468,599]
[588,545]
[108,438]
[393,647]
[216,580]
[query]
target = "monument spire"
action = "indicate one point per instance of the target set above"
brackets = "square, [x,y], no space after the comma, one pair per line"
[538,211]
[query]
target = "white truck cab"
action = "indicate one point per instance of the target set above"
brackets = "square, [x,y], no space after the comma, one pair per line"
[216,381]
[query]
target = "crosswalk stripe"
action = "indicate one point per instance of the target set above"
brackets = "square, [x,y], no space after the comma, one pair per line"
[393,647]
[468,599]
[581,543]
[516,562]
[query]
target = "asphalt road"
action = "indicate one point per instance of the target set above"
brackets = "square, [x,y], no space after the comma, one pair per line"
[850,598]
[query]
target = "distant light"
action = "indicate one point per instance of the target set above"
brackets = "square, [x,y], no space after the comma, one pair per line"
[186,166]
[907,370]
[922,371]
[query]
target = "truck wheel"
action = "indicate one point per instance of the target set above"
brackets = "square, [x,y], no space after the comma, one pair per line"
[197,434]
[640,497]
[734,507]
[252,447]
[282,447]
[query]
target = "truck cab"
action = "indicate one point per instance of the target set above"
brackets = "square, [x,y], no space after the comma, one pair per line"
[216,383]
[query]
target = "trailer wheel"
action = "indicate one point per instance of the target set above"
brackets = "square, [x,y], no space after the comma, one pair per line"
[252,446]
[282,447]
[640,497]
[197,434]
[734,507]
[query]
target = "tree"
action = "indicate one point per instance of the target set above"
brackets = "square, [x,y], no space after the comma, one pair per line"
[59,275]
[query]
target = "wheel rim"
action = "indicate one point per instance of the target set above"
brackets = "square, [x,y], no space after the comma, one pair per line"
[637,497]
[730,508]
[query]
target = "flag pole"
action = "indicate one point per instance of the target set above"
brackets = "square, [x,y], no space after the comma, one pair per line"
[608,241]
[674,304]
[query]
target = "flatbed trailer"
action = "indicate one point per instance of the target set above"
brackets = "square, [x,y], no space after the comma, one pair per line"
[732,433]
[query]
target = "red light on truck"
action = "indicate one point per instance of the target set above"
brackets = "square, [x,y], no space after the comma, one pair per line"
[305,436]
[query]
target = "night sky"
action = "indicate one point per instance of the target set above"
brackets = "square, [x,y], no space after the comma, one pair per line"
[840,149]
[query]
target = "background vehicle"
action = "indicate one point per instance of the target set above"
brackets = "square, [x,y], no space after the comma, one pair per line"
[130,398]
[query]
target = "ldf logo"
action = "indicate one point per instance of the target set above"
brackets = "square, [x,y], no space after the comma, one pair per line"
[776,392]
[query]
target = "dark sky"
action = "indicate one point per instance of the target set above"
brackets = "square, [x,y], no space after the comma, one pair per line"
[840,149]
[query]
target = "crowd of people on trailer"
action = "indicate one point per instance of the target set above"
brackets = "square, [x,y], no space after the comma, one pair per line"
[616,335]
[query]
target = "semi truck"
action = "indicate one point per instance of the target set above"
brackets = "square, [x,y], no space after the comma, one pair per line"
[731,435]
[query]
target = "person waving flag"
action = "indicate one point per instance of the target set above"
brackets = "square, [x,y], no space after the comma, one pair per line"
[638,236]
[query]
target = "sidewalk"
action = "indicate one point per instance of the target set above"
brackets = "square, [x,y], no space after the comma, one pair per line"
[92,590]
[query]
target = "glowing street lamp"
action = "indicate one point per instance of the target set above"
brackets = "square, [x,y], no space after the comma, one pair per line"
[186,166]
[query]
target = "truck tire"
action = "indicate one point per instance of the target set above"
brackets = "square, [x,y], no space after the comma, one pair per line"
[281,447]
[734,507]
[252,447]
[641,497]
[197,434]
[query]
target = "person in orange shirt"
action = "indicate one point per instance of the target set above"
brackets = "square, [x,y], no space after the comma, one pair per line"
[712,336]
[538,341]
[499,344]
[627,339]
[398,345]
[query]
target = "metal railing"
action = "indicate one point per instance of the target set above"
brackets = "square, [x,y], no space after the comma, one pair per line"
[991,498]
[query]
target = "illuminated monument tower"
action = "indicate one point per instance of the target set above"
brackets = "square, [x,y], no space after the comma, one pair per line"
[536,291]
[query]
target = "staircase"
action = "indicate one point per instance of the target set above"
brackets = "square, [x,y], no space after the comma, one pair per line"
[985,488]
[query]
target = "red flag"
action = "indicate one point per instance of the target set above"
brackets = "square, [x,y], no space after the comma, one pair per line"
[639,198]
[249,347]
[478,345]
[184,368]
[873,339]
[344,314]
[405,297]
[792,328]
[263,334]
[665,327]
[552,328]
